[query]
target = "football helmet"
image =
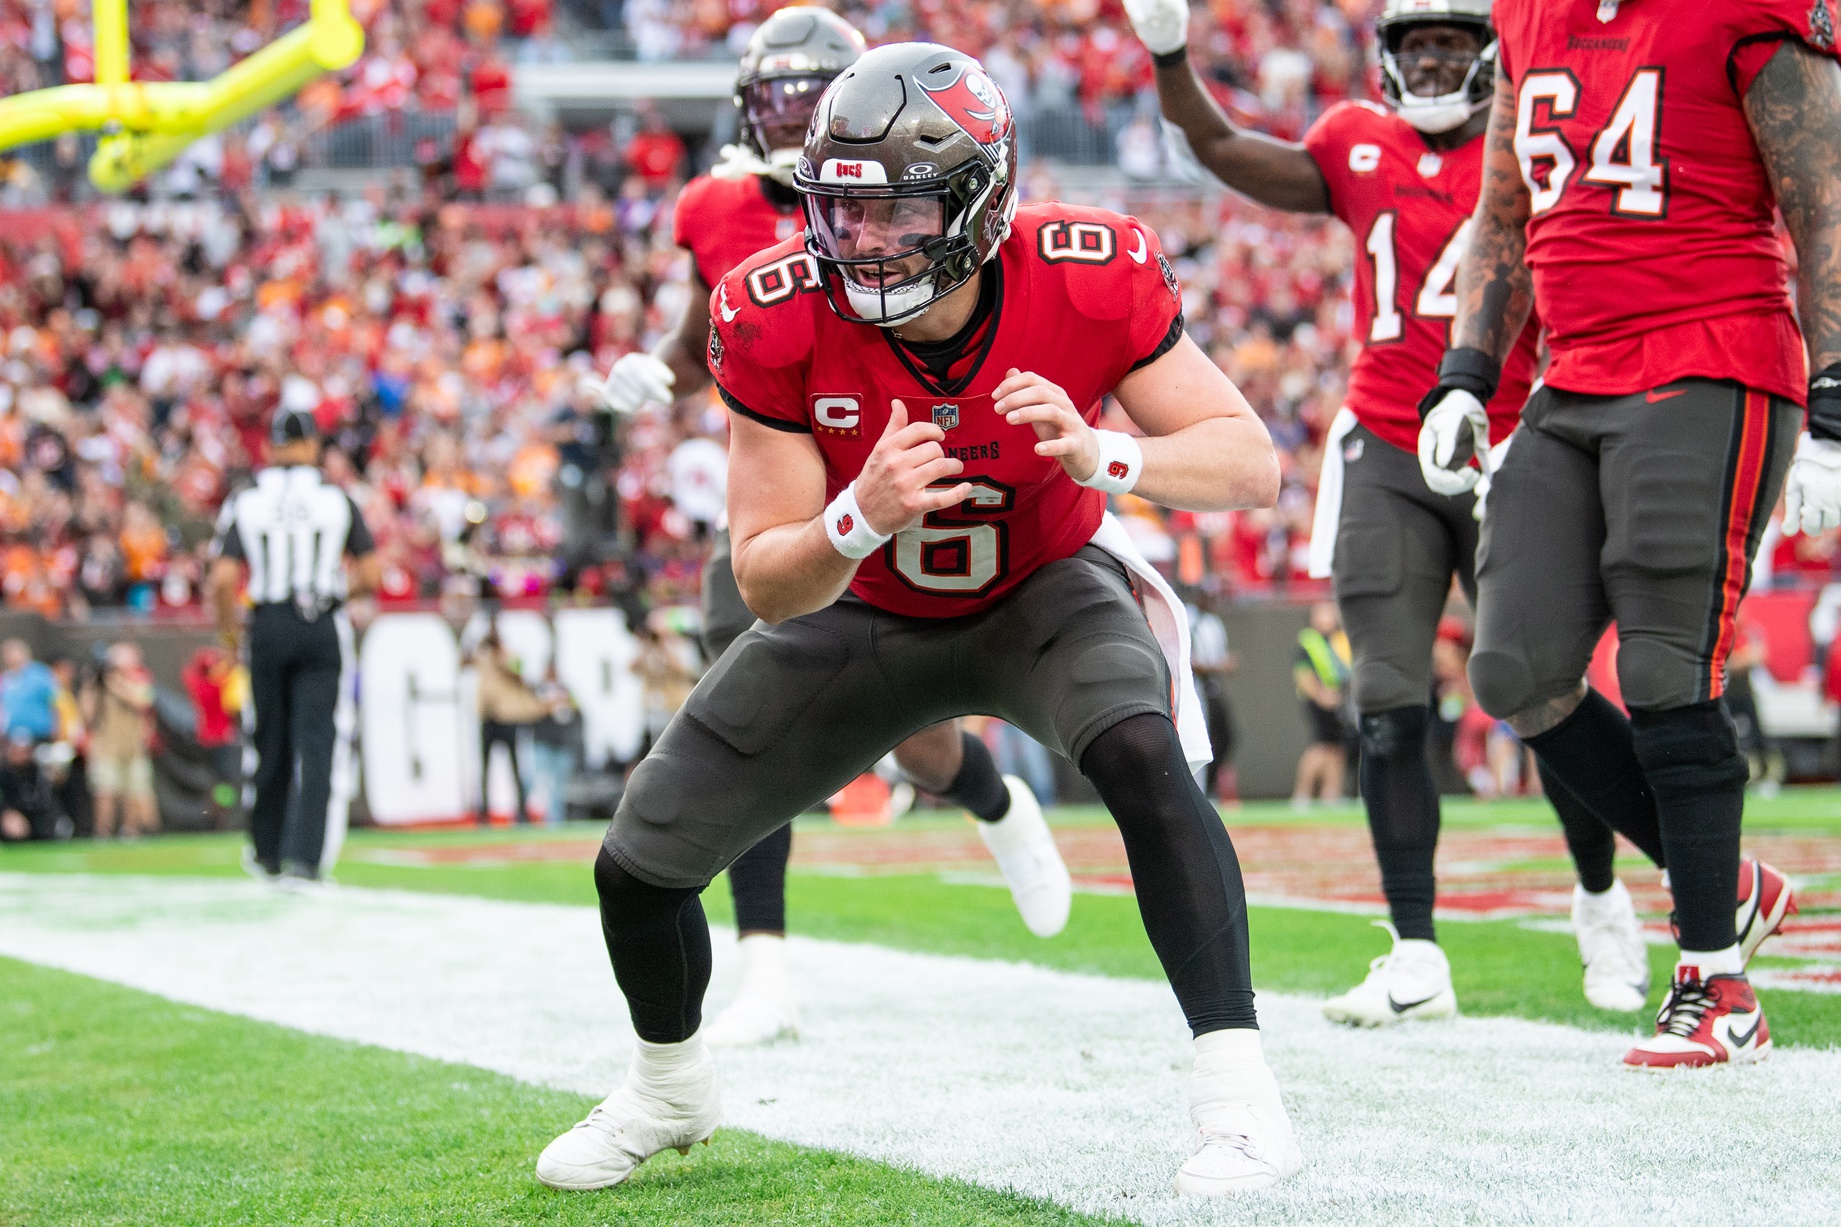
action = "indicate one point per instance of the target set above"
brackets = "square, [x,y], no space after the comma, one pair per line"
[789,60]
[909,179]
[1442,112]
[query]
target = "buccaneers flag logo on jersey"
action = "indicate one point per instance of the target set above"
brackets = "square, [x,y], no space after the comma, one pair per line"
[974,103]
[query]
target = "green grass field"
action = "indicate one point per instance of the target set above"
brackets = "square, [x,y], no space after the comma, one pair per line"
[120,1107]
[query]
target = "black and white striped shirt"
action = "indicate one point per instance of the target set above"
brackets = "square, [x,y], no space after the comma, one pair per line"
[294,531]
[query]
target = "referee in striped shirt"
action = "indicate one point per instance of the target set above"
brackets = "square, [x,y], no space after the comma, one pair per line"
[293,533]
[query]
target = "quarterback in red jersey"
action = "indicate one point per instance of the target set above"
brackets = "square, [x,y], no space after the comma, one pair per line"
[1634,156]
[745,204]
[1404,178]
[918,517]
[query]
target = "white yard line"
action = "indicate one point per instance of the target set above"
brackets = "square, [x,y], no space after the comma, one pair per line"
[1015,1077]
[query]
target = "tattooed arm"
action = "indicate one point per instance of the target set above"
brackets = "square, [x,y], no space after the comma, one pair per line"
[1794,108]
[1494,290]
[1273,172]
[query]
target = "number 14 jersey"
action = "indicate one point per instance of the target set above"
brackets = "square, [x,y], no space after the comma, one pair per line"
[1651,236]
[1085,297]
[1409,206]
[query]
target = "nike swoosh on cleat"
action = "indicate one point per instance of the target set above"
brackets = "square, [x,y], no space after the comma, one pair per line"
[1655,395]
[1402,1007]
[1740,1041]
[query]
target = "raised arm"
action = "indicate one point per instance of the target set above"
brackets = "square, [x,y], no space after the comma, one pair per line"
[1494,290]
[675,368]
[1273,172]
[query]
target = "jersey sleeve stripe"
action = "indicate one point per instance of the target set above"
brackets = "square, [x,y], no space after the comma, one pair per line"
[795,428]
[1170,338]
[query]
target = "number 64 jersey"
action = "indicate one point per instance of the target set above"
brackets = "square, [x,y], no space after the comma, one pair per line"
[1651,235]
[1083,297]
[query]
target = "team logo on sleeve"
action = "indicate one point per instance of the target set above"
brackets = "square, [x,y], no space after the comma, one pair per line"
[975,104]
[946,416]
[1169,277]
[1821,26]
[841,417]
[715,351]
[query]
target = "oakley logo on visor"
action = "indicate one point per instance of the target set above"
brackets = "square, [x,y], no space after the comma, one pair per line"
[837,170]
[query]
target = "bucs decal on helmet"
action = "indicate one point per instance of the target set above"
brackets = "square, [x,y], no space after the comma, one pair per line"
[975,104]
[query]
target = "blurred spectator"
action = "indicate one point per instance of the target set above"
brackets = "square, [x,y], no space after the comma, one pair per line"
[668,665]
[27,808]
[655,152]
[556,746]
[28,693]
[69,753]
[507,707]
[118,708]
[219,688]
[1321,672]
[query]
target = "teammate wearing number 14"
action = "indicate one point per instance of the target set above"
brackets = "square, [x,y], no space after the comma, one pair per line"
[918,517]
[1404,178]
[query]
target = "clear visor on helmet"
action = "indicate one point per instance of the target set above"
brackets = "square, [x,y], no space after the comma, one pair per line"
[778,111]
[879,240]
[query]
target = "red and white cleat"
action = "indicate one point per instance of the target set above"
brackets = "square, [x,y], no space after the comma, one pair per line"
[1716,1021]
[1765,899]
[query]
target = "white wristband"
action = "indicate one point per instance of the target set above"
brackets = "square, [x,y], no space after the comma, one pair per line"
[1121,460]
[850,533]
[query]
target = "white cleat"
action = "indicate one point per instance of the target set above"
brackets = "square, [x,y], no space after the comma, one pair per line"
[1612,948]
[1245,1140]
[1025,852]
[751,1019]
[1244,1147]
[626,1129]
[1412,981]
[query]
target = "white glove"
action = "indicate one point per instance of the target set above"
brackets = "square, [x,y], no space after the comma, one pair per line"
[635,380]
[1812,494]
[1456,413]
[1161,25]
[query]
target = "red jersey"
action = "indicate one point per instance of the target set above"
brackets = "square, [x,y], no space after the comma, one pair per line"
[1409,206]
[1651,237]
[1083,297]
[722,222]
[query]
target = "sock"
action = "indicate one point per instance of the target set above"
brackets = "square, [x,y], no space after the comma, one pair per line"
[1592,843]
[1183,869]
[1706,963]
[1593,754]
[659,943]
[1691,758]
[669,1073]
[764,966]
[1402,803]
[1231,1068]
[978,786]
[757,883]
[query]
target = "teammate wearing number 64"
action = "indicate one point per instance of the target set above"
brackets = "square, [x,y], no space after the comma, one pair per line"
[917,504]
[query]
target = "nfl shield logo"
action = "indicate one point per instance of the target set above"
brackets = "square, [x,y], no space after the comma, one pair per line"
[946,416]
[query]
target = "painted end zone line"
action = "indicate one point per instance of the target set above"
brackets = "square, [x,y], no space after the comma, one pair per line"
[1010,1076]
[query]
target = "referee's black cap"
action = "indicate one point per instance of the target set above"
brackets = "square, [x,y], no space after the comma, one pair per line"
[292,426]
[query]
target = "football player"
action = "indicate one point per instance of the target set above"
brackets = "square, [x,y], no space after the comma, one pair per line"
[1404,178]
[918,517]
[745,204]
[1634,156]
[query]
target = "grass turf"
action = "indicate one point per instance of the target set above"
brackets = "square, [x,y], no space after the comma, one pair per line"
[1498,967]
[122,1107]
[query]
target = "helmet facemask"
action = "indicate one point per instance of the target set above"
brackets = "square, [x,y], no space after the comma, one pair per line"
[775,114]
[1437,113]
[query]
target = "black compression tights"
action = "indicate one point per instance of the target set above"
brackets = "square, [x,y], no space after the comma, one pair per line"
[1182,867]
[660,946]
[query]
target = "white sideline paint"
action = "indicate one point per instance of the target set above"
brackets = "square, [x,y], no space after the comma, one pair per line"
[1060,1086]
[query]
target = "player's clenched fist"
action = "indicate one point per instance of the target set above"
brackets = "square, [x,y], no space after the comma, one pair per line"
[895,487]
[1025,398]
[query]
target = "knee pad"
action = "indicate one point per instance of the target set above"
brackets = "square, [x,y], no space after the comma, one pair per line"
[1381,687]
[1653,676]
[1398,733]
[1502,683]
[1688,748]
